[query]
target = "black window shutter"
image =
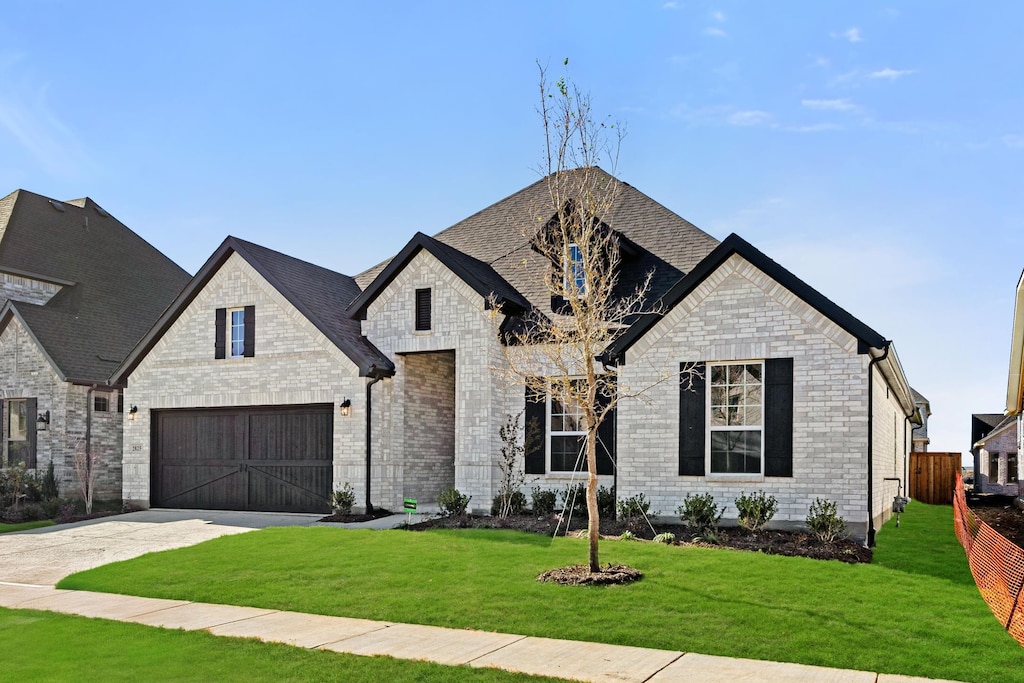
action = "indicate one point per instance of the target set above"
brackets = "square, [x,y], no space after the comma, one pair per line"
[606,433]
[535,432]
[221,333]
[249,340]
[30,419]
[423,310]
[692,419]
[778,417]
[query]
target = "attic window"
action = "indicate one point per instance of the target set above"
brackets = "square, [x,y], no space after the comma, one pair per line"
[57,205]
[423,310]
[573,276]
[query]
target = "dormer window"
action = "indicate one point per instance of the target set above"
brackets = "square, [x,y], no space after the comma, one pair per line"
[574,277]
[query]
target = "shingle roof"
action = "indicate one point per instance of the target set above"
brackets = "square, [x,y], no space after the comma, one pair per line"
[318,293]
[497,237]
[115,283]
[1004,422]
[982,425]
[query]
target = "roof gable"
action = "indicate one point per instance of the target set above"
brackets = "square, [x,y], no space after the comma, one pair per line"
[318,293]
[481,277]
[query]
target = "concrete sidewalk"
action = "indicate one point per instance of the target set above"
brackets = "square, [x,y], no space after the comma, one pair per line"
[540,656]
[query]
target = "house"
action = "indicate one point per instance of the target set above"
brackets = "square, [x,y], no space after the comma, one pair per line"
[388,380]
[78,289]
[1015,376]
[924,408]
[995,449]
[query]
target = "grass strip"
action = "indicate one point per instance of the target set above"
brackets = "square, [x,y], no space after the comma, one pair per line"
[22,526]
[914,612]
[45,646]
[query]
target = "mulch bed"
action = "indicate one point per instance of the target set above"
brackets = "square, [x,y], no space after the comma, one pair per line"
[1000,513]
[580,575]
[773,542]
[352,519]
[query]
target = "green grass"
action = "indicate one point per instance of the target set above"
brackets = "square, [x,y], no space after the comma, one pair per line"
[44,646]
[915,611]
[7,528]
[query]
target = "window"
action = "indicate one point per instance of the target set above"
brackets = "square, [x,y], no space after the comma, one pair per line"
[736,418]
[573,275]
[20,418]
[100,403]
[1011,468]
[235,332]
[993,468]
[120,402]
[568,438]
[423,310]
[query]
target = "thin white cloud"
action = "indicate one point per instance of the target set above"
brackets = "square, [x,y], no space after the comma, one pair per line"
[715,32]
[752,117]
[1014,141]
[851,35]
[670,5]
[718,16]
[830,105]
[813,128]
[821,62]
[891,74]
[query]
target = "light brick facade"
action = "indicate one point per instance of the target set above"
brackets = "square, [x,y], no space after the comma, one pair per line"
[999,449]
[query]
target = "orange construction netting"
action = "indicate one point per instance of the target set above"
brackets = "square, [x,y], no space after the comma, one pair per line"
[996,563]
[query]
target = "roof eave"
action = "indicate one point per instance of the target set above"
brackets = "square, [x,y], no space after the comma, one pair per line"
[1015,377]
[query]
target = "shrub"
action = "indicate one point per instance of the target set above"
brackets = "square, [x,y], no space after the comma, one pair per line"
[701,514]
[68,512]
[26,512]
[48,487]
[453,503]
[543,501]
[824,521]
[343,499]
[606,502]
[668,538]
[756,510]
[627,535]
[574,499]
[505,504]
[634,506]
[51,507]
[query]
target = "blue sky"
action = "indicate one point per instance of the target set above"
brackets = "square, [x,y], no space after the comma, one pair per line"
[874,149]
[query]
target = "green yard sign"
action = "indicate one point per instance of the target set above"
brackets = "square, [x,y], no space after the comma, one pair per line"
[410,505]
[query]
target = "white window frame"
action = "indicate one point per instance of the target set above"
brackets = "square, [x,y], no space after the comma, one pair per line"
[22,435]
[711,429]
[551,434]
[230,330]
[574,280]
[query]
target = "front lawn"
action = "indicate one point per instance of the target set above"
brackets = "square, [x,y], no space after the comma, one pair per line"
[44,646]
[22,526]
[914,611]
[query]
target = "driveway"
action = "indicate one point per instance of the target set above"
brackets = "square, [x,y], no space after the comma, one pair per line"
[42,557]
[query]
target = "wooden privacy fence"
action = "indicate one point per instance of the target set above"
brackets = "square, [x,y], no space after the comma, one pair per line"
[933,476]
[996,564]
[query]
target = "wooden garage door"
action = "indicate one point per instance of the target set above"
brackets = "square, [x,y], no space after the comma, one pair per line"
[263,458]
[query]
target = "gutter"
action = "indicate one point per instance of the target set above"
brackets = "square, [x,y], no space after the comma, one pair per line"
[376,376]
[871,446]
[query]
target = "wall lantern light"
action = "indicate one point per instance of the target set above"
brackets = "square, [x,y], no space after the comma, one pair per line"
[346,408]
[43,421]
[133,412]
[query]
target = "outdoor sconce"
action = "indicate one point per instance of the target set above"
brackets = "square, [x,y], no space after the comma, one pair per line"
[43,421]
[133,413]
[346,408]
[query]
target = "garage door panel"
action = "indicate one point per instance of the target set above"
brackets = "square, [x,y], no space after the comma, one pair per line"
[274,459]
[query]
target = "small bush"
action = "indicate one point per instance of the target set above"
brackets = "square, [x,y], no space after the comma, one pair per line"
[701,514]
[824,521]
[453,503]
[26,512]
[634,506]
[668,538]
[51,507]
[756,510]
[627,535]
[606,502]
[48,487]
[574,499]
[513,503]
[543,500]
[68,512]
[343,499]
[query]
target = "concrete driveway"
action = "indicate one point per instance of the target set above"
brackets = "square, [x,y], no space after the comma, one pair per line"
[42,557]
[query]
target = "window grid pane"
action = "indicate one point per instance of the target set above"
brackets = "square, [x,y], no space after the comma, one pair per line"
[736,416]
[237,333]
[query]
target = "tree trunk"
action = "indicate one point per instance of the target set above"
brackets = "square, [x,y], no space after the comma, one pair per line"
[593,516]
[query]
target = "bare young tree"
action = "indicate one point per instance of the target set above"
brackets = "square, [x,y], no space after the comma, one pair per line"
[555,355]
[85,471]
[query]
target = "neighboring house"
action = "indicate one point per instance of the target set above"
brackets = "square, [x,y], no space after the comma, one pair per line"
[399,391]
[78,290]
[996,466]
[1015,376]
[924,408]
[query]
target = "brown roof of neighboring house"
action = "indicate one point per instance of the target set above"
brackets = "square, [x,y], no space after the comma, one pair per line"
[114,283]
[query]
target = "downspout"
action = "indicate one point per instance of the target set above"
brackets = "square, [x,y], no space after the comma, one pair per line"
[871,434]
[88,444]
[369,422]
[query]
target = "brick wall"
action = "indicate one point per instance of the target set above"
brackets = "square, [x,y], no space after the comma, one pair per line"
[26,289]
[987,481]
[429,424]
[294,364]
[739,313]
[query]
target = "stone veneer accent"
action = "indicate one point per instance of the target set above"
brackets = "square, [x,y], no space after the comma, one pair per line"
[26,373]
[294,364]
[429,424]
